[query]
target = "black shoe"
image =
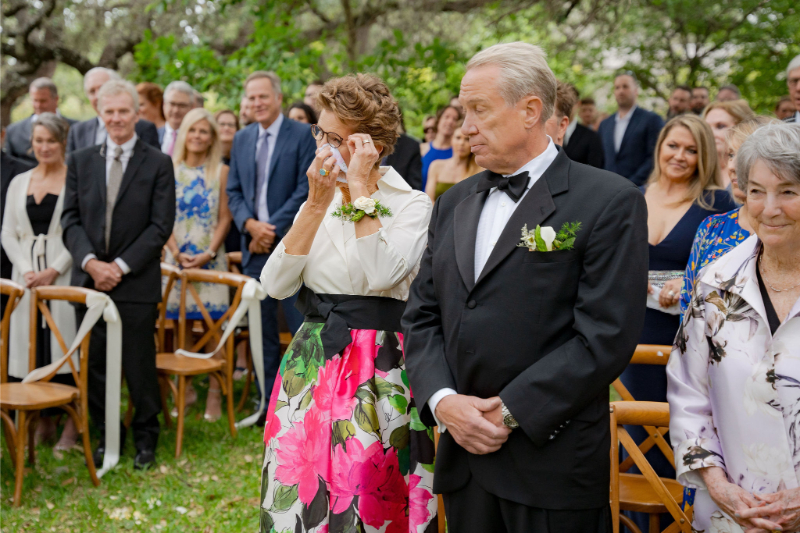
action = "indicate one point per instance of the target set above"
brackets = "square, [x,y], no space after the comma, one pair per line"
[144,459]
[98,456]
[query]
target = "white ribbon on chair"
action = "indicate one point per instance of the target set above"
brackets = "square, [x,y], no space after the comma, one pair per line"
[252,294]
[99,304]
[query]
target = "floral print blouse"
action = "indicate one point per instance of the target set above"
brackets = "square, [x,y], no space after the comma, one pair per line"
[716,236]
[734,388]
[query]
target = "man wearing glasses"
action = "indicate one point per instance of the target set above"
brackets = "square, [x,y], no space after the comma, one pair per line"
[267,184]
[178,100]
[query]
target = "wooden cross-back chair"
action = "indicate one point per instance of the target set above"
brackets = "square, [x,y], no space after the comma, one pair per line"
[651,494]
[183,367]
[14,293]
[27,399]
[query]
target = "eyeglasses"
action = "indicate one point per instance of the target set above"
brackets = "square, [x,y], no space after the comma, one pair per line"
[334,139]
[226,125]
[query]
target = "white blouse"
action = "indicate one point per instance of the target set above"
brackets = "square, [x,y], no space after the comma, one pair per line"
[382,264]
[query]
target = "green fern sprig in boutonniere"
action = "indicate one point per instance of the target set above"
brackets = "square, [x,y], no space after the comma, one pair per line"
[362,207]
[545,239]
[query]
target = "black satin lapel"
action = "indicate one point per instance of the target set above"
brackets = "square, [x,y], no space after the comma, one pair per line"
[133,166]
[533,209]
[466,217]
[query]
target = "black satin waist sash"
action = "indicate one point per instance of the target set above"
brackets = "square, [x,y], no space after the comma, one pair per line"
[342,312]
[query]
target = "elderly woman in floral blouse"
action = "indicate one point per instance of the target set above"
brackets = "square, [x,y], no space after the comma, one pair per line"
[734,374]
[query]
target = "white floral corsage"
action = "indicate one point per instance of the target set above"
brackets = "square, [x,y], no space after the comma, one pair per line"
[362,207]
[545,239]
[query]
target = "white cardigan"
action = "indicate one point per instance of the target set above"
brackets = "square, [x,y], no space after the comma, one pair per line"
[19,243]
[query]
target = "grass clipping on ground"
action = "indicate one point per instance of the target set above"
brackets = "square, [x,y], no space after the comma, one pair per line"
[213,487]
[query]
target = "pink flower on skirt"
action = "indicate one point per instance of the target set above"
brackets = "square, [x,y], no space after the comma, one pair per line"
[303,455]
[418,498]
[338,380]
[273,426]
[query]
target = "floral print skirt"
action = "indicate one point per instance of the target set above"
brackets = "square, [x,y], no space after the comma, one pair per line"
[345,448]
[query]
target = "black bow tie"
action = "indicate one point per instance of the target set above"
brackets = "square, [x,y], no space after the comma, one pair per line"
[513,186]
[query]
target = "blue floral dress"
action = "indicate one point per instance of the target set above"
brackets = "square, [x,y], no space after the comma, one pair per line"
[716,236]
[196,218]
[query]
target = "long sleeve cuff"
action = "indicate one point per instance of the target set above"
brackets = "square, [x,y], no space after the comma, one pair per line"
[434,401]
[282,275]
[692,455]
[123,266]
[86,259]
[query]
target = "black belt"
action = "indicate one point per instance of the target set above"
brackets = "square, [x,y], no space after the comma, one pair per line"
[342,312]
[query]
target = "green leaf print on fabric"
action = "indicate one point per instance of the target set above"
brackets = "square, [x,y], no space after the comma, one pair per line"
[306,401]
[416,423]
[305,355]
[404,377]
[293,383]
[284,498]
[404,460]
[385,389]
[399,438]
[313,515]
[342,430]
[399,402]
[367,418]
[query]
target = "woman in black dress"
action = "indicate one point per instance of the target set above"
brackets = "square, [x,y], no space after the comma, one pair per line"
[31,236]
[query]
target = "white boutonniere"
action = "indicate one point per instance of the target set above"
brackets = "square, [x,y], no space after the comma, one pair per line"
[362,207]
[545,239]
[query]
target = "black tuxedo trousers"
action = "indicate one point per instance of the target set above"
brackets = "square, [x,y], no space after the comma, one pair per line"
[546,331]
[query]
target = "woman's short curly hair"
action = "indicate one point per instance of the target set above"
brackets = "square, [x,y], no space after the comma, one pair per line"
[364,102]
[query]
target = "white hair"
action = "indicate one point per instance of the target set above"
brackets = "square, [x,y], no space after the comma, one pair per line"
[115,87]
[778,146]
[793,64]
[524,72]
[112,74]
[181,87]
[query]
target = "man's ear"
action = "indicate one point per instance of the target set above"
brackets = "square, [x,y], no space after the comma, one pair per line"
[532,106]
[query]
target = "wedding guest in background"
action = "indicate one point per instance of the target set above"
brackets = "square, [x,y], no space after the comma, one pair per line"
[793,84]
[227,126]
[455,103]
[440,146]
[582,144]
[718,234]
[734,367]
[151,103]
[684,188]
[199,99]
[629,135]
[202,219]
[784,109]
[363,269]
[93,131]
[444,173]
[116,241]
[679,101]
[728,93]
[700,99]
[44,97]
[406,158]
[310,95]
[302,112]
[722,116]
[179,99]
[245,113]
[429,132]
[31,235]
[557,125]
[588,113]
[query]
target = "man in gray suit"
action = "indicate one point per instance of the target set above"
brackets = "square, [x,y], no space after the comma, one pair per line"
[93,131]
[44,97]
[793,83]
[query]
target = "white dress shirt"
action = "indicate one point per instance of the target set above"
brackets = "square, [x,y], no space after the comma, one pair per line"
[169,133]
[261,208]
[382,264]
[495,214]
[620,125]
[100,133]
[573,124]
[127,153]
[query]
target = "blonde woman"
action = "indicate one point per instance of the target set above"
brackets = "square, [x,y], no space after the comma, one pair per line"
[722,116]
[202,220]
[444,173]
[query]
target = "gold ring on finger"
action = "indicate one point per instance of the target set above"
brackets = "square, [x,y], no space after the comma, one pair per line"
[323,172]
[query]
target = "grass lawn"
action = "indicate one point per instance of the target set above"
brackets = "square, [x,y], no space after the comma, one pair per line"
[213,487]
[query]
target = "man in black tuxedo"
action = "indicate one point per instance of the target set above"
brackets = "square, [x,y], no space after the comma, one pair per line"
[119,209]
[44,97]
[407,160]
[581,144]
[93,131]
[510,351]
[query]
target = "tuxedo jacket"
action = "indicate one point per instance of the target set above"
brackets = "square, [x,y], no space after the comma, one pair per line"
[82,134]
[546,331]
[287,186]
[635,157]
[407,160]
[142,222]
[18,139]
[585,147]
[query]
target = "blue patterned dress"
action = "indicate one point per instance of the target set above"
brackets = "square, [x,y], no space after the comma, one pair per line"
[196,218]
[716,236]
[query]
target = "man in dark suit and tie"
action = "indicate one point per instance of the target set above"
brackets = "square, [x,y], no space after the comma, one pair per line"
[511,351]
[581,144]
[406,158]
[267,184]
[793,83]
[119,210]
[629,136]
[44,97]
[93,131]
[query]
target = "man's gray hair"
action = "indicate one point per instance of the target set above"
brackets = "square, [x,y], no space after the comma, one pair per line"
[181,87]
[524,72]
[199,99]
[115,87]
[793,64]
[778,146]
[112,74]
[44,83]
[271,76]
